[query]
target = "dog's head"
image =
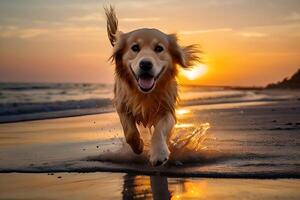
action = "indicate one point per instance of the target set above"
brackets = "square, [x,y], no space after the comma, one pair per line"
[146,58]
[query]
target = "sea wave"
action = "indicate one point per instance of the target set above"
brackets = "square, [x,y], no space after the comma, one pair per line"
[33,100]
[29,108]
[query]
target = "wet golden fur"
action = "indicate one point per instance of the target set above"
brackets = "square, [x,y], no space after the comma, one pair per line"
[134,106]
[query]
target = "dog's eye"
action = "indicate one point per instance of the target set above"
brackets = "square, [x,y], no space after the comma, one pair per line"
[158,49]
[135,48]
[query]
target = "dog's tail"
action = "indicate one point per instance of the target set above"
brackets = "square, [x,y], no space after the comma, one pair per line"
[112,24]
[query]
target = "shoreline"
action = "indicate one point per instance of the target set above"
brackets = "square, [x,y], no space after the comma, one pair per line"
[253,176]
[53,115]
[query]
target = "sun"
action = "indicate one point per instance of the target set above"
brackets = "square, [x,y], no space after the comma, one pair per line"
[195,72]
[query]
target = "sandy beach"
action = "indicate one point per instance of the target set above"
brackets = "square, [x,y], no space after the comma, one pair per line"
[251,150]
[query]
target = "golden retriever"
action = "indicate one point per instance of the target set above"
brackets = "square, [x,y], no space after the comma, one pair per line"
[145,91]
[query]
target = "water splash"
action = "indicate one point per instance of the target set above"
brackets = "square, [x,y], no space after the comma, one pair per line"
[187,139]
[186,144]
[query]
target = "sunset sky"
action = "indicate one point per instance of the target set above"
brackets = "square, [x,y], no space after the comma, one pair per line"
[245,42]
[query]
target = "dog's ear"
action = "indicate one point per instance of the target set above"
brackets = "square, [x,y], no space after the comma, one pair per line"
[118,50]
[111,24]
[184,56]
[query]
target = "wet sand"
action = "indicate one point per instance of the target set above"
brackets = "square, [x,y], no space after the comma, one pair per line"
[267,133]
[126,186]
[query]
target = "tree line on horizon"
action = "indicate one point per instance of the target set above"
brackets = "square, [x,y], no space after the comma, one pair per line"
[288,83]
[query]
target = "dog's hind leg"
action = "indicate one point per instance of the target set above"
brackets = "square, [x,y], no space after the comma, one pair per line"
[159,151]
[131,133]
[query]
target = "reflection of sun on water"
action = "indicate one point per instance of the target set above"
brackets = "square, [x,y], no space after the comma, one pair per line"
[195,72]
[182,111]
[190,190]
[183,125]
[144,187]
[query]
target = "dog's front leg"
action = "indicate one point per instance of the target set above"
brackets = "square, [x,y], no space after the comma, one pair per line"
[131,133]
[159,151]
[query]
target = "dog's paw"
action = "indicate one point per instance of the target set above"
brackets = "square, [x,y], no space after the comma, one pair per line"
[137,145]
[159,155]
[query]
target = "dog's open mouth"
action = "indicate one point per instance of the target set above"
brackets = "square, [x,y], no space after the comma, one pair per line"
[146,82]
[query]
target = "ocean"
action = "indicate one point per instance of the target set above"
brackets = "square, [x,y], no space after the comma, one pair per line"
[31,101]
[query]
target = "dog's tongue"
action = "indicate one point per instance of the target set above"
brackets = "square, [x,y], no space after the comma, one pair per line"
[146,83]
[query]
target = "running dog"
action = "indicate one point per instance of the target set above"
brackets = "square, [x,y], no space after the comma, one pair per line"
[145,92]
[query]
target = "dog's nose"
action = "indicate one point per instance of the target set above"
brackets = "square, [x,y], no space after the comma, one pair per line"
[146,65]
